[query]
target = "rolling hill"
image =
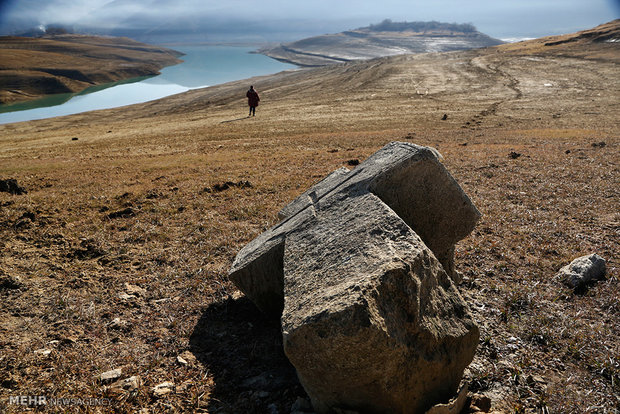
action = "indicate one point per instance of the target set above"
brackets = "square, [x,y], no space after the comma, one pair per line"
[384,39]
[33,67]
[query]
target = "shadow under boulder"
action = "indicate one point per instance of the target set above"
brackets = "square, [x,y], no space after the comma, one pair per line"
[243,349]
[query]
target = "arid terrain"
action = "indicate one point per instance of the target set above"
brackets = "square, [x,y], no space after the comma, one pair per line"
[117,255]
[384,39]
[34,67]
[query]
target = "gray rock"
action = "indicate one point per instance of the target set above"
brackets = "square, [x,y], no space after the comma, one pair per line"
[409,178]
[162,389]
[582,271]
[129,385]
[360,270]
[371,321]
[111,375]
[315,192]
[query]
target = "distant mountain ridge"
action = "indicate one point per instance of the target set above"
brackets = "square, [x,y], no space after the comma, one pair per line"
[384,39]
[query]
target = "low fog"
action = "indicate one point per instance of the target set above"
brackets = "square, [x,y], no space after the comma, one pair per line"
[284,20]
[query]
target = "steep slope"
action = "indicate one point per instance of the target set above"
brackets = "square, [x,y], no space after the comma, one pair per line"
[385,39]
[30,68]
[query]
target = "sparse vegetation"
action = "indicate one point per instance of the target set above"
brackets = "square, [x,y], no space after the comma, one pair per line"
[84,292]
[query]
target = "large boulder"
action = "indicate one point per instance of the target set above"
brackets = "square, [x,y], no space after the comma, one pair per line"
[409,178]
[360,270]
[371,321]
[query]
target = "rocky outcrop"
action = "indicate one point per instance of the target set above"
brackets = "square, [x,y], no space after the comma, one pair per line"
[359,270]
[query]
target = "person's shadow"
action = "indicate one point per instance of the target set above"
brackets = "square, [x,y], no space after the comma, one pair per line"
[235,120]
[242,348]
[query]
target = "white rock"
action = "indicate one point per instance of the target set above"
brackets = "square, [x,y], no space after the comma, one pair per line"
[583,270]
[162,389]
[135,290]
[111,375]
[125,296]
[43,352]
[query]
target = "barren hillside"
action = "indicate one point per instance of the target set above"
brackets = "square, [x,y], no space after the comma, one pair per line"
[33,67]
[384,39]
[117,255]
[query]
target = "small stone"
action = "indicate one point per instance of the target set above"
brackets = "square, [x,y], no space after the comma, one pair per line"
[125,296]
[117,323]
[43,352]
[112,375]
[135,290]
[444,117]
[583,271]
[162,389]
[131,384]
[188,357]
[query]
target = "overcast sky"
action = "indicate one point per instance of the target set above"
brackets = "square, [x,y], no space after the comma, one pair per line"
[498,18]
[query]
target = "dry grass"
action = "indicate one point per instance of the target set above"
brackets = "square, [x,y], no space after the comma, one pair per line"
[543,347]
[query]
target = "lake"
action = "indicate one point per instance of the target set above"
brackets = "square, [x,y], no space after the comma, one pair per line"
[204,65]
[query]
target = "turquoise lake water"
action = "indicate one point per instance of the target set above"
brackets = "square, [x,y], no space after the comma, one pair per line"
[203,66]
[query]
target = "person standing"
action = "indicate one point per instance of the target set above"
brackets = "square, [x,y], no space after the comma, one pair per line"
[253,100]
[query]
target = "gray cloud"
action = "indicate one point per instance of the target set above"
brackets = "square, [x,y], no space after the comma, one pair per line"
[497,18]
